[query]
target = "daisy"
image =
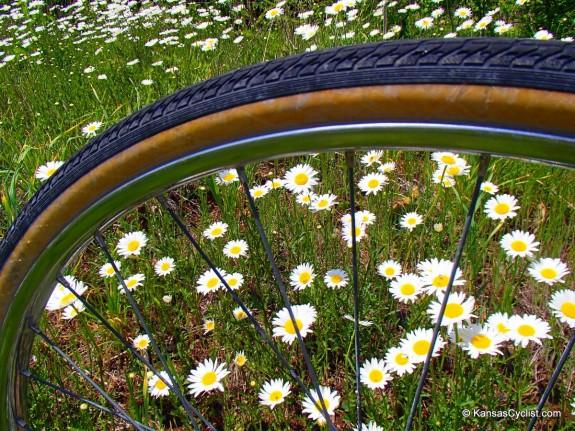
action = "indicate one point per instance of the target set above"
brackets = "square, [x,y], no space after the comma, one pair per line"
[399,361]
[304,316]
[62,296]
[347,233]
[436,273]
[372,183]
[457,169]
[441,177]
[528,328]
[209,326]
[131,244]
[406,287]
[46,171]
[562,305]
[335,8]
[424,23]
[548,270]
[156,386]
[259,191]
[500,323]
[216,230]
[239,313]
[501,207]
[365,217]
[519,243]
[107,270]
[141,342]
[373,156]
[91,128]
[543,35]
[274,392]
[371,426]
[305,198]
[240,359]
[336,278]
[206,377]
[477,340]
[410,220]
[389,269]
[463,12]
[272,13]
[374,374]
[276,183]
[164,266]
[386,168]
[236,248]
[489,187]
[227,176]
[323,202]
[209,281]
[315,410]
[235,280]
[457,309]
[302,276]
[73,310]
[132,283]
[300,179]
[418,342]
[446,158]
[365,323]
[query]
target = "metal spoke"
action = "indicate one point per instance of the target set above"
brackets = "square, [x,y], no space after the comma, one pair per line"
[65,391]
[23,424]
[121,411]
[356,305]
[237,299]
[130,347]
[482,171]
[553,380]
[100,241]
[281,287]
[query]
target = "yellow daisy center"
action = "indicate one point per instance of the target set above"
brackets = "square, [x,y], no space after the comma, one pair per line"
[165,266]
[306,199]
[212,282]
[258,193]
[133,245]
[487,188]
[453,310]
[389,271]
[232,282]
[274,12]
[502,208]
[453,170]
[502,328]
[411,221]
[440,281]
[548,273]
[568,309]
[421,347]
[210,326]
[318,404]
[407,289]
[50,172]
[241,360]
[241,315]
[526,330]
[236,249]
[229,177]
[336,279]
[481,341]
[519,245]
[160,385]
[290,329]
[401,359]
[376,376]
[131,283]
[301,179]
[339,7]
[275,396]
[322,203]
[110,270]
[216,231]
[447,159]
[372,184]
[304,277]
[209,378]
[142,344]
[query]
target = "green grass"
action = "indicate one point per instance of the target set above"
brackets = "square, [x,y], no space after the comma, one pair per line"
[48,104]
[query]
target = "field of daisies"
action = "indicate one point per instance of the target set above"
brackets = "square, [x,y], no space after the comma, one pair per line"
[181,311]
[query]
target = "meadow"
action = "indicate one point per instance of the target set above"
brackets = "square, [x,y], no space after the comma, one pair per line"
[69,72]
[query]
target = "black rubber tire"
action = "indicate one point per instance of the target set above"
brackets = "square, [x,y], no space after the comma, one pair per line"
[502,62]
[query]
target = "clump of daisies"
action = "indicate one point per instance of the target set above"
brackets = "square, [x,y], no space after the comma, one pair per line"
[363,219]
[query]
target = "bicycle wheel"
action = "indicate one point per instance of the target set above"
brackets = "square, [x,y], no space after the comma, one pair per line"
[503,97]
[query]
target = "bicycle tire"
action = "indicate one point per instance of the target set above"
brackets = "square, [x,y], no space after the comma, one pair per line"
[520,92]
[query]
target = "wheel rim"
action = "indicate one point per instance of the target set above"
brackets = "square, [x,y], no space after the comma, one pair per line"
[551,147]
